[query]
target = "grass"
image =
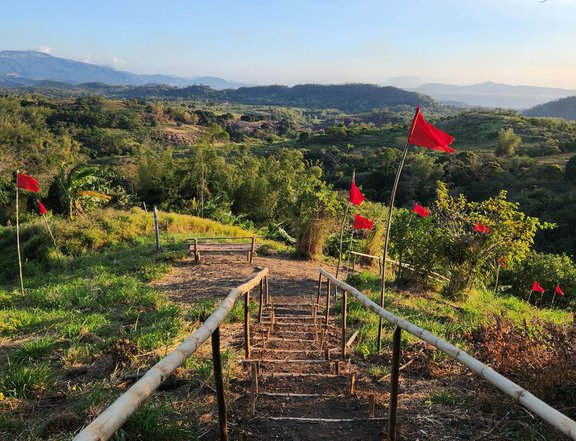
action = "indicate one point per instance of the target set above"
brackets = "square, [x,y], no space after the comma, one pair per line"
[91,305]
[446,397]
[21,381]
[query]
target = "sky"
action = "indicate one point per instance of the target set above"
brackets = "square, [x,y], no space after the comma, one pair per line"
[531,42]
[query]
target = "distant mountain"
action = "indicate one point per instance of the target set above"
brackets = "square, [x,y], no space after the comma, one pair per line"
[491,94]
[405,82]
[25,68]
[562,108]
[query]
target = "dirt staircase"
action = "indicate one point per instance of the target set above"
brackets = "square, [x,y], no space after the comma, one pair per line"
[298,385]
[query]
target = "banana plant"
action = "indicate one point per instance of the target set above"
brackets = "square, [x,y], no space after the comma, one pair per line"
[83,185]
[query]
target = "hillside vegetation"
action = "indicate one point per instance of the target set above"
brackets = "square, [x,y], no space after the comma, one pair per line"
[562,108]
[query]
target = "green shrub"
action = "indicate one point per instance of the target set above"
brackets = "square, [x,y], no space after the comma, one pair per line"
[549,270]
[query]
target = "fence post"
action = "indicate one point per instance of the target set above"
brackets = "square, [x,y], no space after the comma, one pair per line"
[344,314]
[267,290]
[156,228]
[319,290]
[261,305]
[247,324]
[252,248]
[394,376]
[327,302]
[219,383]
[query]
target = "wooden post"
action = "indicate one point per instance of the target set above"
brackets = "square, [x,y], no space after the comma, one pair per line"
[196,253]
[261,305]
[352,383]
[319,290]
[252,248]
[267,290]
[371,406]
[327,302]
[156,228]
[253,391]
[219,383]
[247,325]
[394,377]
[344,314]
[18,236]
[337,367]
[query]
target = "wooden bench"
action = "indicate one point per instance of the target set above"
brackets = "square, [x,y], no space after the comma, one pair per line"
[221,245]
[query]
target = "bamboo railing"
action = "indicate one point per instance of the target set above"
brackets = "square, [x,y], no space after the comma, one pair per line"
[109,421]
[522,396]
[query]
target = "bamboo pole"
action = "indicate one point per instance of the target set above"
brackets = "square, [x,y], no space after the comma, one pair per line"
[522,396]
[261,304]
[342,225]
[247,324]
[156,228]
[387,237]
[18,236]
[327,317]
[116,415]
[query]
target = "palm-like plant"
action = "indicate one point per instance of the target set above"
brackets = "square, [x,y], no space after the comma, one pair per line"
[82,185]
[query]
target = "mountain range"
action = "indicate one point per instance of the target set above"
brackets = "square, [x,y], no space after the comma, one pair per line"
[487,94]
[28,68]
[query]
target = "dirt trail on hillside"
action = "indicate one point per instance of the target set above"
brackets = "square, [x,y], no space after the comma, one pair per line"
[217,275]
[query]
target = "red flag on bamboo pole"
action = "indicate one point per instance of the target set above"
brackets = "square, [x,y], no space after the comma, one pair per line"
[41,208]
[27,183]
[558,290]
[362,223]
[421,211]
[356,196]
[536,287]
[426,135]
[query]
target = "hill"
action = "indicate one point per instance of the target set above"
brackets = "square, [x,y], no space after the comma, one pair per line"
[352,98]
[490,94]
[562,108]
[26,68]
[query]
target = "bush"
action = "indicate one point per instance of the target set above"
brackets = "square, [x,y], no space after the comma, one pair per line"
[549,270]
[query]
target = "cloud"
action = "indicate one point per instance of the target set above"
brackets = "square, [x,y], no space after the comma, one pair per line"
[118,62]
[88,59]
[43,49]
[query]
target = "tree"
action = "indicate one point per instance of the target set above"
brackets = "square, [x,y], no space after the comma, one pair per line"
[471,256]
[570,170]
[508,142]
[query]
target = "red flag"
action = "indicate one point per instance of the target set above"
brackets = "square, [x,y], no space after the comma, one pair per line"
[481,228]
[41,208]
[27,183]
[356,196]
[361,223]
[426,135]
[421,211]
[537,287]
[558,290]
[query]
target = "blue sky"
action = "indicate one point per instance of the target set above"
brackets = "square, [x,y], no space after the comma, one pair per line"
[288,42]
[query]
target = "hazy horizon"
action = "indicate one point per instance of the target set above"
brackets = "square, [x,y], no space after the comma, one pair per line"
[326,42]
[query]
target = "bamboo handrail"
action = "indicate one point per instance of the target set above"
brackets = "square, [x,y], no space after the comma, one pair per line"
[118,412]
[519,394]
[396,262]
